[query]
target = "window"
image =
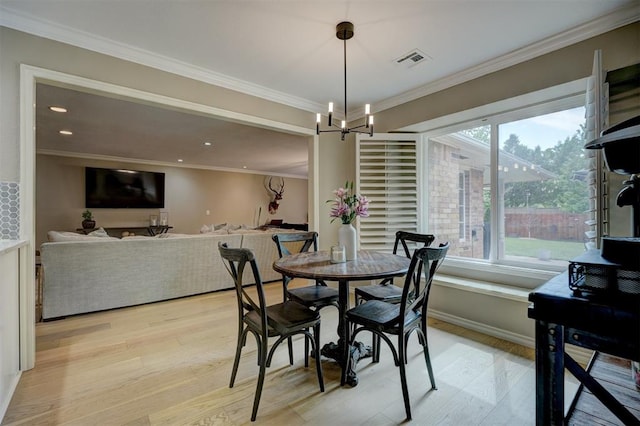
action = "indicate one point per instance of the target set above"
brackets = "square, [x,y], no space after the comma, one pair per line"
[542,184]
[506,184]
[457,173]
[513,191]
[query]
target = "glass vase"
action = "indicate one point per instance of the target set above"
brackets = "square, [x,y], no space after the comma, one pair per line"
[347,239]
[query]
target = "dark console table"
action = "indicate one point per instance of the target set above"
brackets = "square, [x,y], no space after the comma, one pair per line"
[606,323]
[137,230]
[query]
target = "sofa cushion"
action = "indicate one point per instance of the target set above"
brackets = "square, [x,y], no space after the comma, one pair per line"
[58,236]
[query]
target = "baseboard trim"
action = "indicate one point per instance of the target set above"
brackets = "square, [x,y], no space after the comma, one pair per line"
[4,404]
[483,328]
[581,355]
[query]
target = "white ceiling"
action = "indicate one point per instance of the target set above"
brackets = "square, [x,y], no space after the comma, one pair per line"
[287,51]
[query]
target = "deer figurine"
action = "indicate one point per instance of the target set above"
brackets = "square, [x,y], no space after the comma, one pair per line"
[277,195]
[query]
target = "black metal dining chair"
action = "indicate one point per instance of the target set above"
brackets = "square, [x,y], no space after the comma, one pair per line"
[386,290]
[401,319]
[315,296]
[282,320]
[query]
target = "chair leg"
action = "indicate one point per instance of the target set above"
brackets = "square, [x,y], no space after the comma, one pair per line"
[403,375]
[375,347]
[306,352]
[427,358]
[290,345]
[242,337]
[406,344]
[316,351]
[259,385]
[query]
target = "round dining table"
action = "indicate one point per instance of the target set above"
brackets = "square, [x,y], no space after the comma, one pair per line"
[369,265]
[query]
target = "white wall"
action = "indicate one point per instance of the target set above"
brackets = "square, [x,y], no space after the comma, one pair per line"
[9,327]
[233,198]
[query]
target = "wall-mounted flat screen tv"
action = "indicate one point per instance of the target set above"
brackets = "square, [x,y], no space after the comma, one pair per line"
[120,188]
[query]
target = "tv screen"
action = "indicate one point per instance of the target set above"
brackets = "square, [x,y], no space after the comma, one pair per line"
[120,188]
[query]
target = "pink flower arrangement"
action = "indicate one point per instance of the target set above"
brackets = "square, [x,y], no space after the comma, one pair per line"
[348,205]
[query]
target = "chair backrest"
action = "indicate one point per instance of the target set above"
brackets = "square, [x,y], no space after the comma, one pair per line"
[404,237]
[295,242]
[237,259]
[415,293]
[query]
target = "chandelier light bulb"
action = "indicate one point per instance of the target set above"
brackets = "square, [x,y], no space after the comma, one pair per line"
[367,109]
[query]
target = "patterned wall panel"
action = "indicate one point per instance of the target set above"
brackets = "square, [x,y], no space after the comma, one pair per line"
[9,210]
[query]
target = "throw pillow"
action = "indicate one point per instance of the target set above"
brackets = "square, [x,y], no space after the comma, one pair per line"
[100,232]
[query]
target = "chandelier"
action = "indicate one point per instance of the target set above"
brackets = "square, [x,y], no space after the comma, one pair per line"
[344,31]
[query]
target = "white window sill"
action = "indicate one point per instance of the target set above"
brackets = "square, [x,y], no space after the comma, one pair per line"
[498,275]
[481,287]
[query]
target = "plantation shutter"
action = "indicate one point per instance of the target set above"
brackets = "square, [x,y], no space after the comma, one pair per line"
[596,119]
[387,174]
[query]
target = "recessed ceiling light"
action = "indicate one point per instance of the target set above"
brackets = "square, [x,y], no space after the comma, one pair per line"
[244,167]
[180,160]
[208,144]
[66,132]
[55,108]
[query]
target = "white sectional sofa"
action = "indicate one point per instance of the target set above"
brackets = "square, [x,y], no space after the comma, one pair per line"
[86,273]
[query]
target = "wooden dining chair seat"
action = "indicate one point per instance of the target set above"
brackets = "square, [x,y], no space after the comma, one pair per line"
[314,296]
[402,319]
[281,320]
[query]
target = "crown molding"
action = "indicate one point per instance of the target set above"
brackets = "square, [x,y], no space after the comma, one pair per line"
[100,157]
[60,33]
[46,29]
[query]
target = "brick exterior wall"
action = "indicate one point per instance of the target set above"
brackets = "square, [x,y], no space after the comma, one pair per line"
[444,216]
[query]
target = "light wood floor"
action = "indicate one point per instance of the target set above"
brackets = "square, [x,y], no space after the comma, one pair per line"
[169,363]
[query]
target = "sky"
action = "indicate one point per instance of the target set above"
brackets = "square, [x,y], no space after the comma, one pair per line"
[545,130]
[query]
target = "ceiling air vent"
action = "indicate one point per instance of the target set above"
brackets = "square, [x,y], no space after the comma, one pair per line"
[413,57]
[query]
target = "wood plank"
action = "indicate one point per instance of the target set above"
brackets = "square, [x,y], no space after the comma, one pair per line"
[170,362]
[614,374]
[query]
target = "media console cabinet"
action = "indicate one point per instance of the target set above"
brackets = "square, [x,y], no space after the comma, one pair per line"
[137,230]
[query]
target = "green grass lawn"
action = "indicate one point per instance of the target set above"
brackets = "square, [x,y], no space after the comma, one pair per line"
[531,247]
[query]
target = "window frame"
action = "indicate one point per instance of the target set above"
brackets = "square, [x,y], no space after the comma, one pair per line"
[553,99]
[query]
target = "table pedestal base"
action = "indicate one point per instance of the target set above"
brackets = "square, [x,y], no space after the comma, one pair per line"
[357,352]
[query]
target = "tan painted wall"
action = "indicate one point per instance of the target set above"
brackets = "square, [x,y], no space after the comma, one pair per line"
[337,165]
[233,198]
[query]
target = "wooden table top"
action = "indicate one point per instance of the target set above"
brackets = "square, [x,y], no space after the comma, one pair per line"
[369,265]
